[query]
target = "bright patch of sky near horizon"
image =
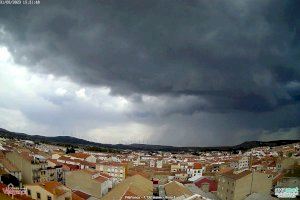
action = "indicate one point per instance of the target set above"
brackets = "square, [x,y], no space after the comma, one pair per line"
[20,89]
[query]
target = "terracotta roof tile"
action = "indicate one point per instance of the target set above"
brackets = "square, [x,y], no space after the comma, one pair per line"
[136,185]
[177,189]
[236,176]
[79,155]
[81,195]
[197,165]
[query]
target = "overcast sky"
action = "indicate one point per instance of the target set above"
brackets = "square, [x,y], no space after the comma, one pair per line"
[183,73]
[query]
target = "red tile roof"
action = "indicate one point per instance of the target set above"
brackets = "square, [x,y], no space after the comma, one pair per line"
[277,178]
[53,187]
[65,166]
[236,176]
[100,178]
[79,155]
[116,164]
[213,186]
[197,166]
[81,195]
[8,165]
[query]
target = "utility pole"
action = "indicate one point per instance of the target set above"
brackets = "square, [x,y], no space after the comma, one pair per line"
[252,172]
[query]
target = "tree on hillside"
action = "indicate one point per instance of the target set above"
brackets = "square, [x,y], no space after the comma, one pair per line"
[70,150]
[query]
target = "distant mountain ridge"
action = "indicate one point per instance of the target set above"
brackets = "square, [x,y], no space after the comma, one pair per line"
[68,140]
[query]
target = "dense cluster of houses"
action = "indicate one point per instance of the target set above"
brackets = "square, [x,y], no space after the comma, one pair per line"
[48,172]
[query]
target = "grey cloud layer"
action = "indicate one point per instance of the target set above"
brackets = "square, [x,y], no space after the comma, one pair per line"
[220,56]
[240,53]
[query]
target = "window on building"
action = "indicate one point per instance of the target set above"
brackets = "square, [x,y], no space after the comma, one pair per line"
[38,195]
[49,198]
[29,192]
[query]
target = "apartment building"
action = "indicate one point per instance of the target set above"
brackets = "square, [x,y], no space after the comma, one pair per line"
[214,167]
[196,170]
[175,168]
[49,191]
[240,164]
[59,170]
[81,163]
[244,163]
[238,185]
[34,168]
[152,163]
[7,166]
[159,164]
[114,169]
[180,176]
[284,163]
[88,181]
[83,157]
[290,178]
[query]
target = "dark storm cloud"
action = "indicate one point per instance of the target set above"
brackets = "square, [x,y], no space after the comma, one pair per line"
[209,129]
[239,53]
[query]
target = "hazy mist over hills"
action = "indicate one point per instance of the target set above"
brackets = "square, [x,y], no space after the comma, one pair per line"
[76,142]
